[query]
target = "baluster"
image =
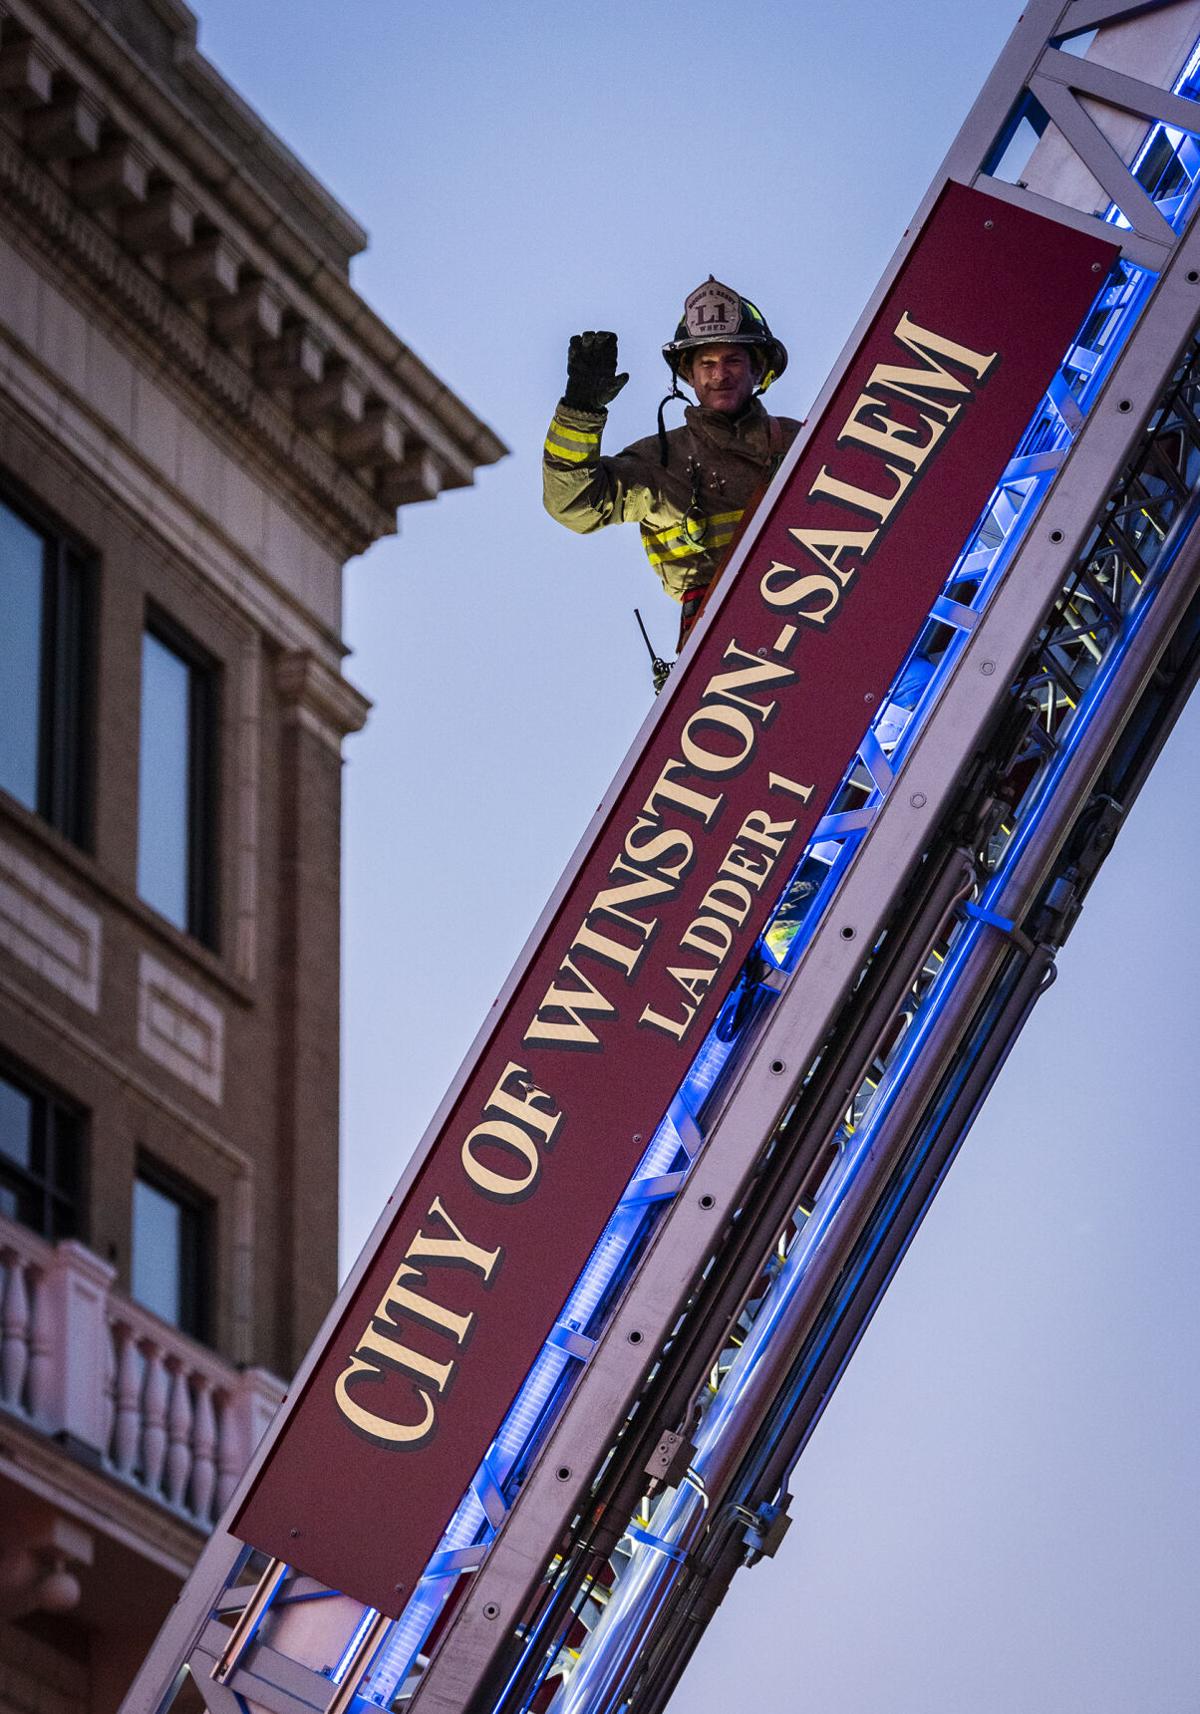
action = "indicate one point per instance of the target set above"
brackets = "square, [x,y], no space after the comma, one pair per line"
[154,1417]
[204,1445]
[111,1344]
[14,1334]
[127,1427]
[42,1364]
[179,1435]
[229,1460]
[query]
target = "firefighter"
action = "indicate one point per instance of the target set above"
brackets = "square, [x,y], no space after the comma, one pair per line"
[688,488]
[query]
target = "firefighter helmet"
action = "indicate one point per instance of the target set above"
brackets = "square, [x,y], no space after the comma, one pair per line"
[717,315]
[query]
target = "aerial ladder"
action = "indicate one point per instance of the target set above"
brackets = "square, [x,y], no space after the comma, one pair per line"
[558,1402]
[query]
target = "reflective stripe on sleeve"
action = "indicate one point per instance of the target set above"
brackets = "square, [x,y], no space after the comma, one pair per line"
[572,444]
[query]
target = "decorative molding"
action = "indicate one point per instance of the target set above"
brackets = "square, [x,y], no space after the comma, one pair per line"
[150,1090]
[222,382]
[180,1028]
[323,701]
[180,237]
[49,929]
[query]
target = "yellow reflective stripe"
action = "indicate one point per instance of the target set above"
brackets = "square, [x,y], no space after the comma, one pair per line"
[708,545]
[680,552]
[569,454]
[581,435]
[673,530]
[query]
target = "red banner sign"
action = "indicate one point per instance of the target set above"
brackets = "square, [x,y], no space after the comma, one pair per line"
[677,881]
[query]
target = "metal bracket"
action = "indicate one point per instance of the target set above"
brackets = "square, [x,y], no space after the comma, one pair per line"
[670,1458]
[771,1524]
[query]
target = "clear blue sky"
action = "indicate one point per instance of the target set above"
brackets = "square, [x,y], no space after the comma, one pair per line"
[998,1513]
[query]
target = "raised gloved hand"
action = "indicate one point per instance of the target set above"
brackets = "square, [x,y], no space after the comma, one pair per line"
[592,379]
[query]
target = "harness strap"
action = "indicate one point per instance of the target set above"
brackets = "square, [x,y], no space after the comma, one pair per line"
[694,600]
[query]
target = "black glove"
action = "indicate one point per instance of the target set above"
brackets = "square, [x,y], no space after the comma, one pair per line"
[592,379]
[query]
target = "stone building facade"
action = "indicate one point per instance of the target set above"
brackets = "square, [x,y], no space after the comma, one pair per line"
[200,421]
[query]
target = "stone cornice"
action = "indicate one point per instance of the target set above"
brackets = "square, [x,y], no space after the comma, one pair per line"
[121,176]
[261,426]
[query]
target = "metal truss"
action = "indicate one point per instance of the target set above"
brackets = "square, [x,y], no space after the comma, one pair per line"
[647,1455]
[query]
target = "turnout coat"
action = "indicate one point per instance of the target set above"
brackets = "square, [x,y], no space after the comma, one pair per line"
[688,510]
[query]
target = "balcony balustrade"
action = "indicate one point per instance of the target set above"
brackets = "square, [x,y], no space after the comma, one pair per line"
[119,1387]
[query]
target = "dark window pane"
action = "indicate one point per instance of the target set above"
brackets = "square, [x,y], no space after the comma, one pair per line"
[22,562]
[165,793]
[63,1169]
[41,1158]
[16,1125]
[158,1257]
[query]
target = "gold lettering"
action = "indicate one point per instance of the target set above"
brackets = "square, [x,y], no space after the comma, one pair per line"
[922,342]
[406,1358]
[763,831]
[711,761]
[730,899]
[380,1427]
[756,671]
[455,1251]
[737,862]
[709,936]
[695,983]
[654,849]
[400,1296]
[610,951]
[501,1134]
[682,796]
[608,903]
[526,1106]
[869,425]
[862,499]
[804,588]
[677,1027]
[781,783]
[571,1002]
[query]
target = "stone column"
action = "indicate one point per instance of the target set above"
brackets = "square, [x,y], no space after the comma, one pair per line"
[320,709]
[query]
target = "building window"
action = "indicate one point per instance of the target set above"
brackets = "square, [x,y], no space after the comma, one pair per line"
[171,1229]
[176,798]
[45,586]
[41,1157]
